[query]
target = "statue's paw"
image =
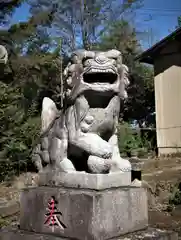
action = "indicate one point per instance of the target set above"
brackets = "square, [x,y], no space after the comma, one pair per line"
[99,165]
[121,164]
[96,146]
[66,166]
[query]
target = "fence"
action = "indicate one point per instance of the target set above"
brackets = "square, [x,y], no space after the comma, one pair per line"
[166,140]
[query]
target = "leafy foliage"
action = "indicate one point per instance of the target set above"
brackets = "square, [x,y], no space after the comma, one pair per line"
[21,94]
[131,141]
[3,222]
[175,196]
[81,23]
[7,8]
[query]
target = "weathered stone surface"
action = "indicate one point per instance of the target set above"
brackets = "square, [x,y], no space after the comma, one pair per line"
[148,234]
[151,234]
[86,214]
[84,180]
[9,208]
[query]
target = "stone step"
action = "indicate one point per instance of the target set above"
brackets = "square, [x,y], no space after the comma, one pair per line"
[147,234]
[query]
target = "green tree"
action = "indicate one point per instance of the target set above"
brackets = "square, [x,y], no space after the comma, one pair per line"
[80,23]
[31,73]
[140,103]
[20,105]
[7,8]
[179,21]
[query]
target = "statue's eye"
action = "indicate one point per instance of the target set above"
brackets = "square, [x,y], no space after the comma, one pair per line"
[112,58]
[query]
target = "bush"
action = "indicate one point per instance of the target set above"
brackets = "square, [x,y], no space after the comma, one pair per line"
[131,142]
[16,157]
[3,222]
[175,197]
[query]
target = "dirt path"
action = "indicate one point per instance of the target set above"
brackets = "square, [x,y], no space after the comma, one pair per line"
[164,220]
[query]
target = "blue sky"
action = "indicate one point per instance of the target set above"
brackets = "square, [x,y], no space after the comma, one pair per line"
[158,17]
[162,16]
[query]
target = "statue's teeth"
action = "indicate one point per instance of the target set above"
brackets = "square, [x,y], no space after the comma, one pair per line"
[100,70]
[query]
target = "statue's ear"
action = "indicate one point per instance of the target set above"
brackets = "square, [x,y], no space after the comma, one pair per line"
[78,56]
[113,54]
[126,75]
[124,82]
[119,60]
[65,72]
[48,114]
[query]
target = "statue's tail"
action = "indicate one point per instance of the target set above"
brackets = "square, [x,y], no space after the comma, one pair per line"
[3,55]
[48,114]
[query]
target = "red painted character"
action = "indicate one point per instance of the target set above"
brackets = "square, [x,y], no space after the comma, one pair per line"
[52,219]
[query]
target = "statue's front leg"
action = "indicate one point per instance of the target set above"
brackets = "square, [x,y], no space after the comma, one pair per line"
[94,145]
[58,155]
[36,158]
[54,139]
[118,163]
[100,151]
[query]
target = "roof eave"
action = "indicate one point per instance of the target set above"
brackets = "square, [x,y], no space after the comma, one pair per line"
[144,59]
[149,54]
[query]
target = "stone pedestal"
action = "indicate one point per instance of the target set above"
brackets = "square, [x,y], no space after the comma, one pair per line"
[92,207]
[89,206]
[85,214]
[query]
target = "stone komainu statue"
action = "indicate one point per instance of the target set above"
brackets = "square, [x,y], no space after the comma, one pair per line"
[82,137]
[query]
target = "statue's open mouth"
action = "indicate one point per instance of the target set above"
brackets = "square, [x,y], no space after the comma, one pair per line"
[100,76]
